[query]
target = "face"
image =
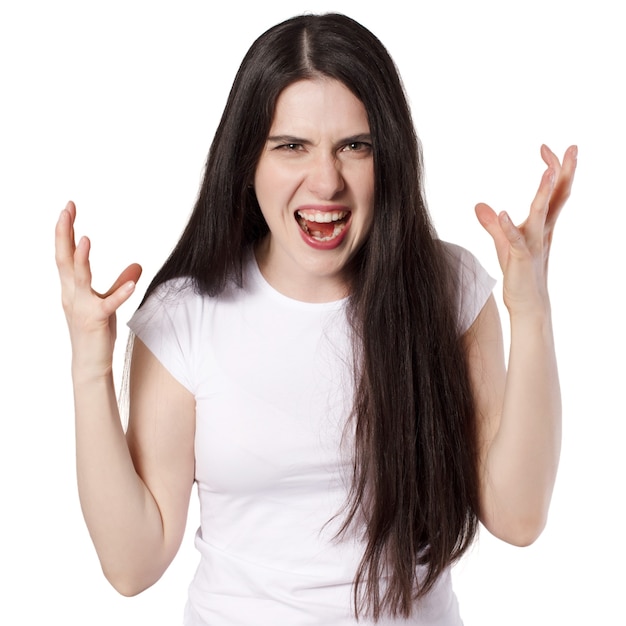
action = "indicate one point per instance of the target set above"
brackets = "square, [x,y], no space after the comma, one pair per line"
[315,185]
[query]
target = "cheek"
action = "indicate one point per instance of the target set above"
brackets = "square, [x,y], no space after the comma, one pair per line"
[367,194]
[273,185]
[263,186]
[260,180]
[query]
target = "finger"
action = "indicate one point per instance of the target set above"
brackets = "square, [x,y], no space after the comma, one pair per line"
[64,238]
[513,234]
[112,302]
[564,182]
[550,159]
[487,218]
[82,269]
[122,288]
[489,221]
[535,225]
[130,274]
[70,207]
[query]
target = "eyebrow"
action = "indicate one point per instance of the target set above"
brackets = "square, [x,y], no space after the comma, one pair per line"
[280,139]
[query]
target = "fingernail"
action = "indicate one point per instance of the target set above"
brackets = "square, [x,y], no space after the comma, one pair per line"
[574,152]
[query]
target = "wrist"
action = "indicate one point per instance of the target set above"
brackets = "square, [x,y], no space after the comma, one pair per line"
[529,309]
[90,370]
[532,323]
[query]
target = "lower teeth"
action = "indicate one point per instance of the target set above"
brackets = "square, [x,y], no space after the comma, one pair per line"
[318,236]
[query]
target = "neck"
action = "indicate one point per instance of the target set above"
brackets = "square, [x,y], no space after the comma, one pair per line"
[295,281]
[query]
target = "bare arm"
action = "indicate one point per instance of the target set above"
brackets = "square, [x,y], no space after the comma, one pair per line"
[519,408]
[134,507]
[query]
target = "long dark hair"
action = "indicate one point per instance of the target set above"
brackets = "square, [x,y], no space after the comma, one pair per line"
[415,486]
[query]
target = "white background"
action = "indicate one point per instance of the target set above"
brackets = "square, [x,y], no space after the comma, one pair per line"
[113,105]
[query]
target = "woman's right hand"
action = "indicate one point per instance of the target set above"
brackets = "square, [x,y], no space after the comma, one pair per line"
[90,315]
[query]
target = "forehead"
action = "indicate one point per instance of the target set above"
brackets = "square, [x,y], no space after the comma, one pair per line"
[320,105]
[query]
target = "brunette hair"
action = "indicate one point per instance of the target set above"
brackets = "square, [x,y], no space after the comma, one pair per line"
[415,485]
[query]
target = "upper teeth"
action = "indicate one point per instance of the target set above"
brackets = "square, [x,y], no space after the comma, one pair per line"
[326,216]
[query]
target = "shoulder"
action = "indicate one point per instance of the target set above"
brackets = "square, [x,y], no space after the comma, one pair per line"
[164,304]
[171,323]
[473,283]
[171,294]
[461,258]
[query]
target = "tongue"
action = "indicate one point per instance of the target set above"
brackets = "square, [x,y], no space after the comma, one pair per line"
[325,228]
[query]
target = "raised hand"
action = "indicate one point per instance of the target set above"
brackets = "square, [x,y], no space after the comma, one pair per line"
[524,250]
[90,315]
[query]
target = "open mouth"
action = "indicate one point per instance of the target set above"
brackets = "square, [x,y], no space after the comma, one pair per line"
[322,225]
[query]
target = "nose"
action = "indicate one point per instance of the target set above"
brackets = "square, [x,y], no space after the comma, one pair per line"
[324,177]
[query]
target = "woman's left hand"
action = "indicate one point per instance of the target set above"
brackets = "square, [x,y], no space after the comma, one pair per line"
[523,251]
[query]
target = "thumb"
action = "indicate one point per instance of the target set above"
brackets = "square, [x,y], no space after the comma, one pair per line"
[121,289]
[130,274]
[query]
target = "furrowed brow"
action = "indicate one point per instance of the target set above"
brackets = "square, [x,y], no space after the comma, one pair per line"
[362,138]
[286,139]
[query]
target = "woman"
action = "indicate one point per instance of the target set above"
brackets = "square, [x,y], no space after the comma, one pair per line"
[326,370]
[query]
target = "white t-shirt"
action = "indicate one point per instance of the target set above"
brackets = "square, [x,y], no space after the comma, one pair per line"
[272,378]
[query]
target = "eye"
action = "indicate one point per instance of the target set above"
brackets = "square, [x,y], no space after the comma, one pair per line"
[357,146]
[356,150]
[289,147]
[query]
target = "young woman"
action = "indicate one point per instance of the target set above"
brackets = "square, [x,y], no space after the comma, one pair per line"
[325,369]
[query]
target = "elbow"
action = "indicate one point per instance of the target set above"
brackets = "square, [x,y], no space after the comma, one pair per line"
[518,519]
[518,531]
[127,584]
[523,537]
[132,573]
[128,591]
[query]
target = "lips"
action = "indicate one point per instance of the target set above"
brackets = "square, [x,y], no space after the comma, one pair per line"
[323,226]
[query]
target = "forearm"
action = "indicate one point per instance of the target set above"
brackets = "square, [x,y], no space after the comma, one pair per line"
[522,460]
[121,515]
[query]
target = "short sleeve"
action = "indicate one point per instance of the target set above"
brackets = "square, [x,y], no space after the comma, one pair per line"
[165,324]
[474,284]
